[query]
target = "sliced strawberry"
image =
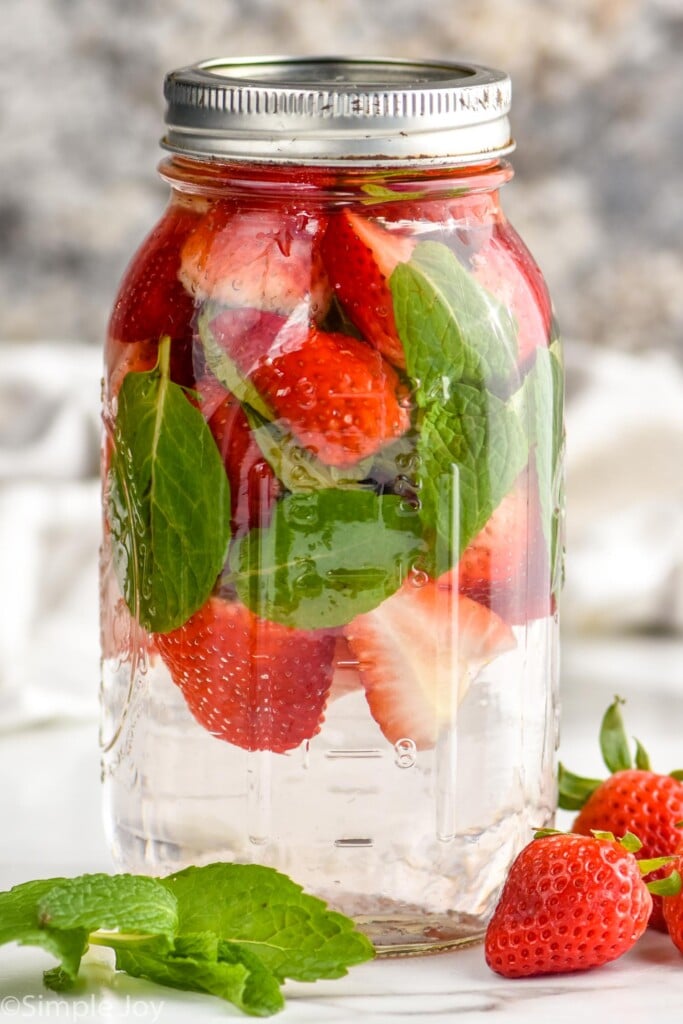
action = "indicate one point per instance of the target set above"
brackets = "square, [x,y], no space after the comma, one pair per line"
[415,648]
[505,267]
[360,257]
[346,677]
[152,301]
[265,259]
[254,683]
[253,485]
[336,394]
[506,566]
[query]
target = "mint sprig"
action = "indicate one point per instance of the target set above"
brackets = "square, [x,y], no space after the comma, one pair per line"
[169,500]
[230,930]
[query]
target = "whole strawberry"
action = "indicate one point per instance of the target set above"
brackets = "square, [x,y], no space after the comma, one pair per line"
[633,799]
[570,902]
[673,905]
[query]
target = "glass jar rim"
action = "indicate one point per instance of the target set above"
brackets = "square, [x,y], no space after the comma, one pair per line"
[353,111]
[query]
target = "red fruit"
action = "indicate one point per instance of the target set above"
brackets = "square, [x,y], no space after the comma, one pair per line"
[251,682]
[360,257]
[263,259]
[336,394]
[673,905]
[506,565]
[152,301]
[642,802]
[253,485]
[506,268]
[569,903]
[413,646]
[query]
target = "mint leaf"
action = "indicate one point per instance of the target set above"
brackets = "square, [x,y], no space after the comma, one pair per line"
[20,922]
[169,506]
[263,912]
[471,450]
[540,401]
[326,557]
[298,468]
[205,964]
[128,903]
[224,368]
[452,329]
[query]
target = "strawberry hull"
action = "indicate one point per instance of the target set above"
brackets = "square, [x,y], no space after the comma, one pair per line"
[332,515]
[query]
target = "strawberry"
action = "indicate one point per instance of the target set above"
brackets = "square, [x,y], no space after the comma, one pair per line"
[412,648]
[265,259]
[152,301]
[336,394]
[506,268]
[633,799]
[673,904]
[569,903]
[251,682]
[360,257]
[506,565]
[253,485]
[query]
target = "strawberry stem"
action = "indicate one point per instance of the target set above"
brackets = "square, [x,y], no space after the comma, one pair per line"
[642,757]
[574,790]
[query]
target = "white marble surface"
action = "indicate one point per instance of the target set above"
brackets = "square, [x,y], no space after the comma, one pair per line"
[49,810]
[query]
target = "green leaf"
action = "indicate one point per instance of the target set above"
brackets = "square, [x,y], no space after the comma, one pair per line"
[539,403]
[128,903]
[631,843]
[470,449]
[574,790]
[204,964]
[677,774]
[20,922]
[650,864]
[326,557]
[452,329]
[298,468]
[264,912]
[614,744]
[642,757]
[224,368]
[169,506]
[669,886]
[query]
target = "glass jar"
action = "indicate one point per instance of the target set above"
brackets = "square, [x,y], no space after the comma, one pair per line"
[332,469]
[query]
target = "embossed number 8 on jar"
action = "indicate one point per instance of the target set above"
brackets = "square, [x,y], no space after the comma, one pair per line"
[332,497]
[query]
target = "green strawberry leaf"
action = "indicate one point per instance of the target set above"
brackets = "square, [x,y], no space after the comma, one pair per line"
[326,556]
[20,921]
[452,329]
[169,505]
[642,757]
[205,964]
[669,886]
[614,744]
[223,367]
[259,910]
[574,790]
[297,467]
[677,774]
[470,449]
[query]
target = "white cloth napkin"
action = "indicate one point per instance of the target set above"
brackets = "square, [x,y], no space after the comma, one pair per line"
[624,520]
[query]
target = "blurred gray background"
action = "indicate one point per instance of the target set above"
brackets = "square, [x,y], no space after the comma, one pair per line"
[596,112]
[598,196]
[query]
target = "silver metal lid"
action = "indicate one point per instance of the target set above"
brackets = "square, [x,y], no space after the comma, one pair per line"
[361,111]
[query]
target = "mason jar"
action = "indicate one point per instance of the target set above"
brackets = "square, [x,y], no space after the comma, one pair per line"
[332,497]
